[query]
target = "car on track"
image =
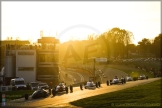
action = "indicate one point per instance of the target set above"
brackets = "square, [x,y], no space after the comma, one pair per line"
[116,80]
[34,85]
[129,78]
[61,87]
[40,93]
[43,85]
[90,85]
[142,77]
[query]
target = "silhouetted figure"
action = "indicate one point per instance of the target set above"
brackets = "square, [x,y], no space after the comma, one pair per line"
[71,88]
[67,90]
[107,82]
[53,91]
[99,84]
[96,84]
[50,90]
[124,80]
[26,96]
[81,87]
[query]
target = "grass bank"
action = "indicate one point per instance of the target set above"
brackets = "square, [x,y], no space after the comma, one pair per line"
[10,95]
[148,95]
[134,72]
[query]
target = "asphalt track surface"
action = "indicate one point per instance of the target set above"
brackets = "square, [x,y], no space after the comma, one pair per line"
[62,100]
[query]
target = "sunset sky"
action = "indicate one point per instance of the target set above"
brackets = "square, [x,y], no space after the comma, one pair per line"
[76,20]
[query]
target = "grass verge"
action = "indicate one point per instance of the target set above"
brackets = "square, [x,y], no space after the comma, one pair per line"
[11,95]
[148,95]
[134,72]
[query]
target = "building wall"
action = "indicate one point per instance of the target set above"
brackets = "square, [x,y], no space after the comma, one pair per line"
[26,65]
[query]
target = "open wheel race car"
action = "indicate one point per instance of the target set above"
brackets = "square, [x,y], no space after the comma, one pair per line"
[60,88]
[40,93]
[90,85]
[129,78]
[142,77]
[116,80]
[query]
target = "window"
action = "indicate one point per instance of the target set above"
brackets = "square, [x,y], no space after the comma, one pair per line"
[48,70]
[25,53]
[25,68]
[19,82]
[34,84]
[48,57]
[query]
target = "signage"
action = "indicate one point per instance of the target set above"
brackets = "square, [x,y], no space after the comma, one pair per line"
[101,59]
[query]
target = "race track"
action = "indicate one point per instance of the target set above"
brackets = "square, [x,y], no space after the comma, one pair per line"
[64,99]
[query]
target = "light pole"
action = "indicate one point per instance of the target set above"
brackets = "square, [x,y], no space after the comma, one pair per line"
[94,69]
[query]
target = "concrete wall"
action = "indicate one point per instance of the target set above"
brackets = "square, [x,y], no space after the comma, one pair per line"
[26,65]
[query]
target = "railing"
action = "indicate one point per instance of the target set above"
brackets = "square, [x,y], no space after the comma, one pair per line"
[5,88]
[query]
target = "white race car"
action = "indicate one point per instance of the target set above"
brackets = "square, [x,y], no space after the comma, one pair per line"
[116,80]
[60,88]
[142,77]
[90,85]
[129,78]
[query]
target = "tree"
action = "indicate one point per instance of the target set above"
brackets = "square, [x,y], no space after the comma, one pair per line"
[119,39]
[145,46]
[157,46]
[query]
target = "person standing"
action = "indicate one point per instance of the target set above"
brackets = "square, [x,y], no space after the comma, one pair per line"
[107,82]
[99,84]
[49,90]
[81,87]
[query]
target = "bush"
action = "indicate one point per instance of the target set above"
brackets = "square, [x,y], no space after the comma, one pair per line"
[13,88]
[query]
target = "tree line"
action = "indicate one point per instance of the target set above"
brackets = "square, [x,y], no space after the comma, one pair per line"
[113,44]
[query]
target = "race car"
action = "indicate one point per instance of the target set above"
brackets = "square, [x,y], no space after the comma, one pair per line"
[60,88]
[129,78]
[40,93]
[116,80]
[90,85]
[142,77]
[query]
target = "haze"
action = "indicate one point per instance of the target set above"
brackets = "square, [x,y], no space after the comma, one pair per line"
[26,19]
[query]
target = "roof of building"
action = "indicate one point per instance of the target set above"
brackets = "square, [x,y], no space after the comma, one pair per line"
[22,42]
